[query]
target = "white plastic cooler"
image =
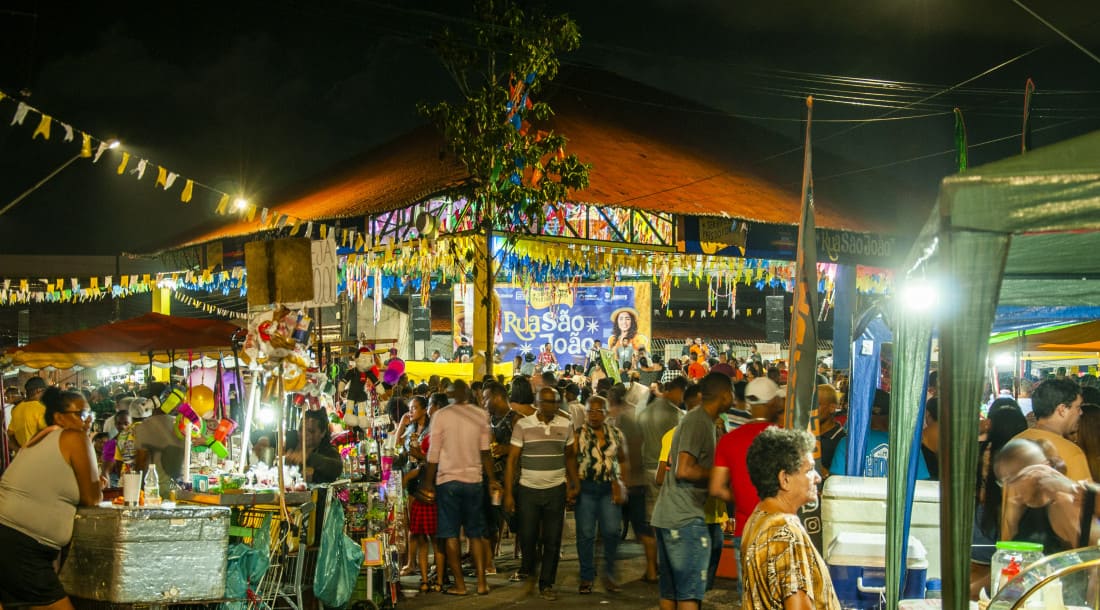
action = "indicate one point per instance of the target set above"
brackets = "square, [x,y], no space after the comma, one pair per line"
[858,505]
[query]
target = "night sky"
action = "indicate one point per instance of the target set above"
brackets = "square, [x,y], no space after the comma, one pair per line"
[258,97]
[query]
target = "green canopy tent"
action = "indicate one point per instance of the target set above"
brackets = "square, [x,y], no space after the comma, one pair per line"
[1022,231]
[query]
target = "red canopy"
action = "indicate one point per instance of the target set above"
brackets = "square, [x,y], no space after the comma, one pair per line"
[127,342]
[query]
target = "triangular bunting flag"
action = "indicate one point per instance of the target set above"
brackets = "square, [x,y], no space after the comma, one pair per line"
[85,145]
[125,161]
[162,176]
[223,205]
[20,114]
[188,187]
[140,169]
[102,148]
[43,127]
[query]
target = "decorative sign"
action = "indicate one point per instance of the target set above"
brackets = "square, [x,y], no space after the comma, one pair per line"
[568,317]
[325,265]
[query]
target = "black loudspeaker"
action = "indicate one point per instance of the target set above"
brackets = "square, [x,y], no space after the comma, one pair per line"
[421,323]
[775,320]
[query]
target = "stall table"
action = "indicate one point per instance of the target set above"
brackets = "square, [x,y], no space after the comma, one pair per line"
[152,556]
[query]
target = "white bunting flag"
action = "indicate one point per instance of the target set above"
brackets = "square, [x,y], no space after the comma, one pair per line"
[68,131]
[140,169]
[103,146]
[20,114]
[170,180]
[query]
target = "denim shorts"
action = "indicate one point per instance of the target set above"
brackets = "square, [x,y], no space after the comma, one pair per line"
[684,557]
[460,506]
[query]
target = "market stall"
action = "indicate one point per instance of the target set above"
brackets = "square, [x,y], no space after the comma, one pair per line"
[1008,233]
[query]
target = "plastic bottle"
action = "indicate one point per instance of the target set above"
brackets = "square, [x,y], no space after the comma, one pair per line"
[933,589]
[152,487]
[1022,553]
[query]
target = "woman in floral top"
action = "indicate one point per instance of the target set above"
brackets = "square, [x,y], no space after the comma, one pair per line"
[601,457]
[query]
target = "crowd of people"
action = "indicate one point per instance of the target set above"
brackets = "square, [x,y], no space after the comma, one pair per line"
[666,460]
[682,462]
[685,462]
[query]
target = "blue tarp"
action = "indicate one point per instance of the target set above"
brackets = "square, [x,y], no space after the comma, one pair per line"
[1019,317]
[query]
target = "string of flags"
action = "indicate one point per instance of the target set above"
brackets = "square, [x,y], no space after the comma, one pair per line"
[422,263]
[129,164]
[207,307]
[20,291]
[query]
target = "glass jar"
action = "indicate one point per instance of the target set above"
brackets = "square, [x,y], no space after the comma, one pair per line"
[1022,554]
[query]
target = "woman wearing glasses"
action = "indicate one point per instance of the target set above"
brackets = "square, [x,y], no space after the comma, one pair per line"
[53,474]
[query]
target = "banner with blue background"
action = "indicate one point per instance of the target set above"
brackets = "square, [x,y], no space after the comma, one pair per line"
[568,317]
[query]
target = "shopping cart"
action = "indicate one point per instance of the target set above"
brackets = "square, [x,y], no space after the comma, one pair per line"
[282,584]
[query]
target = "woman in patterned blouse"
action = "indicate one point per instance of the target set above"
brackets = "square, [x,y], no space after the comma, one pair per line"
[782,567]
[601,457]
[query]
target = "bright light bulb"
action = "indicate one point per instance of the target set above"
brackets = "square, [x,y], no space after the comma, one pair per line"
[1004,360]
[266,415]
[240,204]
[920,295]
[113,144]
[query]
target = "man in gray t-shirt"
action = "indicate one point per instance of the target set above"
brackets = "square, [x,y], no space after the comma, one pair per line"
[684,541]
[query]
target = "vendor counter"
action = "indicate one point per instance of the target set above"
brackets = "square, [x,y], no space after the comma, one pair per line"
[148,555]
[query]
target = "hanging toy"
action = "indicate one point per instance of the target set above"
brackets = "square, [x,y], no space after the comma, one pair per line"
[361,381]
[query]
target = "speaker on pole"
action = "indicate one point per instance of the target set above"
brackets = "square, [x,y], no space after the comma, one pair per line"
[775,320]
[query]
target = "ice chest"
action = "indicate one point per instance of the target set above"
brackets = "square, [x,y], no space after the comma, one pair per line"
[148,554]
[857,566]
[858,504]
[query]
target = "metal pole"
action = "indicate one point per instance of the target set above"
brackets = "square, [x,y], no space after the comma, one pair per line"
[39,184]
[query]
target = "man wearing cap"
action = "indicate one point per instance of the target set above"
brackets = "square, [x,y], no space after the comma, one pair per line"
[877,443]
[729,479]
[28,418]
[464,353]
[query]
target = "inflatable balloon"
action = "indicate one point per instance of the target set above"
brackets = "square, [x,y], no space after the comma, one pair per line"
[201,399]
[394,370]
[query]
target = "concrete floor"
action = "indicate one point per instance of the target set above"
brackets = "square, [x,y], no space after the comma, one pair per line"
[635,594]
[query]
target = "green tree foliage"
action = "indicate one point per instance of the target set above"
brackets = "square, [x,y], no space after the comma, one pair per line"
[500,65]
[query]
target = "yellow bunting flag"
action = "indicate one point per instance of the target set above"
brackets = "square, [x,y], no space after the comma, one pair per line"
[188,187]
[324,231]
[85,145]
[250,213]
[43,127]
[162,176]
[125,281]
[223,204]
[125,162]
[294,224]
[94,282]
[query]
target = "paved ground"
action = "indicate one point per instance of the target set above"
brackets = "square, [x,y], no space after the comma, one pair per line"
[635,594]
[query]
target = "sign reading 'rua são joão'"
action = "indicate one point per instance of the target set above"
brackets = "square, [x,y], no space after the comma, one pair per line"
[569,318]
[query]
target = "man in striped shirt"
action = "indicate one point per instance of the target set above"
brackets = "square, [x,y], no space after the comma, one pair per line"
[543,451]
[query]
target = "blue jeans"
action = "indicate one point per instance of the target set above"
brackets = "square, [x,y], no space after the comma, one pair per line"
[684,555]
[594,505]
[717,539]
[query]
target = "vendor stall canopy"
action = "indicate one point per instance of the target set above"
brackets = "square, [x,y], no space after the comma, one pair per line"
[169,338]
[1022,232]
[1049,201]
